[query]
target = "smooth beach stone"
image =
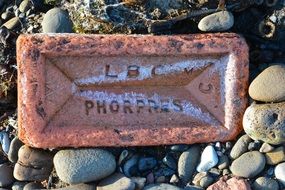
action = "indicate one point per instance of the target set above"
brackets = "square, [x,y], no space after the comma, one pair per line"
[269,86]
[276,156]
[248,165]
[240,146]
[280,173]
[235,183]
[217,22]
[12,23]
[75,166]
[116,181]
[161,186]
[264,183]
[265,122]
[209,159]
[187,163]
[6,175]
[14,148]
[57,20]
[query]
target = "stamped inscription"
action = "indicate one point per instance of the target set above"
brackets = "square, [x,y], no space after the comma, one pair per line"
[88,91]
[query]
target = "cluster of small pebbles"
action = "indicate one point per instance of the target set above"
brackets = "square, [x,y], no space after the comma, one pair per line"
[256,160]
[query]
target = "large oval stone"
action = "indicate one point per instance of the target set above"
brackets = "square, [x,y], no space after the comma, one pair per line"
[269,86]
[265,122]
[75,166]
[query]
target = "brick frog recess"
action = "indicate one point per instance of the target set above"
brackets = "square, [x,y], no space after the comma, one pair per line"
[118,90]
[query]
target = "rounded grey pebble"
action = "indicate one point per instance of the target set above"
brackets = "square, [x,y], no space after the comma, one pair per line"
[217,22]
[265,147]
[33,186]
[76,166]
[265,122]
[206,181]
[240,146]
[188,162]
[57,20]
[116,181]
[223,162]
[14,148]
[264,183]
[161,186]
[248,165]
[6,175]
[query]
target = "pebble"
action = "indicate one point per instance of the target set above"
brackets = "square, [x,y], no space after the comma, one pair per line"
[18,185]
[5,141]
[217,22]
[206,181]
[24,6]
[209,159]
[12,23]
[150,178]
[146,163]
[264,183]
[198,177]
[214,172]
[6,175]
[265,122]
[179,148]
[56,20]
[123,156]
[139,181]
[7,15]
[276,156]
[33,164]
[192,187]
[174,179]
[76,166]
[280,172]
[170,162]
[116,181]
[223,162]
[265,147]
[234,183]
[248,164]
[254,145]
[187,163]
[269,86]
[161,186]
[240,146]
[131,166]
[33,186]
[14,148]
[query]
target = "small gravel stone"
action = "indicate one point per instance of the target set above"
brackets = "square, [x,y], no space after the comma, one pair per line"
[198,177]
[7,15]
[206,181]
[215,172]
[240,146]
[217,22]
[174,179]
[130,168]
[187,163]
[33,186]
[265,147]
[280,173]
[33,164]
[12,23]
[223,162]
[75,166]
[248,164]
[5,141]
[254,145]
[269,86]
[179,148]
[147,163]
[56,21]
[226,172]
[24,6]
[234,183]
[265,122]
[14,148]
[170,162]
[139,181]
[161,186]
[276,156]
[116,181]
[209,159]
[6,175]
[264,183]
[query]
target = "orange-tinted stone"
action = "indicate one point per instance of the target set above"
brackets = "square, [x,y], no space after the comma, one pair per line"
[118,90]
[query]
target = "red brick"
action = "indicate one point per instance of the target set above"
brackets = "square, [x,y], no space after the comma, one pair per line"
[118,90]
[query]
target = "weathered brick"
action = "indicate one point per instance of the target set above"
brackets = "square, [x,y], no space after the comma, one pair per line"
[118,90]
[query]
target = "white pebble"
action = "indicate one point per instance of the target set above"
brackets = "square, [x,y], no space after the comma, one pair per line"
[280,172]
[5,142]
[209,159]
